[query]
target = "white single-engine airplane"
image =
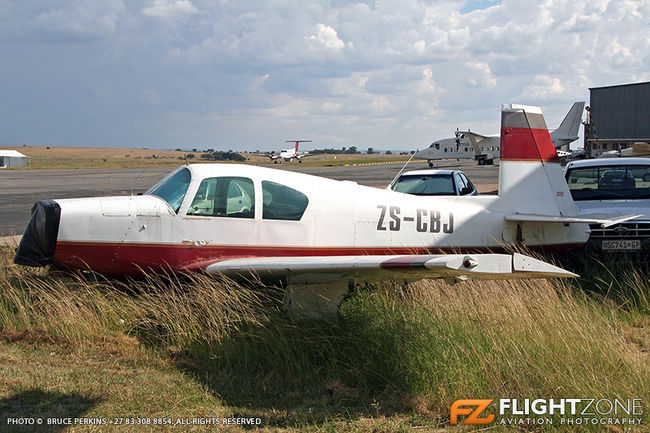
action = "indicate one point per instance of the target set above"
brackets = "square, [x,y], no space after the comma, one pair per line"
[486,148]
[317,235]
[289,154]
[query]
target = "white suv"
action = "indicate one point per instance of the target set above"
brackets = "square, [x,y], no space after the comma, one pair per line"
[614,186]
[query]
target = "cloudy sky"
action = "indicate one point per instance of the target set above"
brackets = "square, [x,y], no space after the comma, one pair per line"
[246,75]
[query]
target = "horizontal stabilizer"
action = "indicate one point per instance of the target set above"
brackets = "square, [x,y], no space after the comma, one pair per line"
[605,220]
[322,269]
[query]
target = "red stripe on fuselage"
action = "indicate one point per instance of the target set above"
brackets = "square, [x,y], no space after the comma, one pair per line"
[526,144]
[122,259]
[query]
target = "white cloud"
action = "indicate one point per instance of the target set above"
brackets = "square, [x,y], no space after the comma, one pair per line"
[326,38]
[480,75]
[171,10]
[544,88]
[379,73]
[72,20]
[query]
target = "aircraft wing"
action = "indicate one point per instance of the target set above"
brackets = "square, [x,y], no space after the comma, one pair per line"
[605,220]
[476,139]
[479,137]
[320,269]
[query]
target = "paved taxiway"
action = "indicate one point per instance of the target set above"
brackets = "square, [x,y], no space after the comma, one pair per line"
[19,189]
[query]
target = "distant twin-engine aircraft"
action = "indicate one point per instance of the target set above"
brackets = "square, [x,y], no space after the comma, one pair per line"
[319,236]
[485,149]
[289,154]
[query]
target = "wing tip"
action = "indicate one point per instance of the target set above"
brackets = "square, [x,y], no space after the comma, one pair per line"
[527,264]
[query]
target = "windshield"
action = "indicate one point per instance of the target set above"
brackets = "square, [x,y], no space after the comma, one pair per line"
[609,182]
[426,185]
[172,188]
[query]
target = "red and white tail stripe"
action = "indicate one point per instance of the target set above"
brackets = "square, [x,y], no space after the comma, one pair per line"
[530,176]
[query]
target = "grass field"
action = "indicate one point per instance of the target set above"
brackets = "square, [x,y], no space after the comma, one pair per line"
[42,157]
[395,360]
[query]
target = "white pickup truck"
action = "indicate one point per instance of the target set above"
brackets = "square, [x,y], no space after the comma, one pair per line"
[614,186]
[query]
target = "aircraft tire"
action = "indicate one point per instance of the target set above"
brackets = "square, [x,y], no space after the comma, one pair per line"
[481,161]
[430,164]
[275,161]
[490,161]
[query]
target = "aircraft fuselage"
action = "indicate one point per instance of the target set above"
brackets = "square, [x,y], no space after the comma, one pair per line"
[121,235]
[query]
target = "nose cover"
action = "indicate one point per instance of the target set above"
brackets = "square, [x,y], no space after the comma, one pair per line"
[38,244]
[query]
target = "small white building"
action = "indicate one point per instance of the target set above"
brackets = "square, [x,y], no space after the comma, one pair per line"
[11,158]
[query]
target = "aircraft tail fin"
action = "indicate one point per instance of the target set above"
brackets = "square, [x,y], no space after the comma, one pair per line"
[530,176]
[568,129]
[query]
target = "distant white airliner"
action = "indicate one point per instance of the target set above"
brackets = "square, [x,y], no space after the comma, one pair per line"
[485,149]
[289,154]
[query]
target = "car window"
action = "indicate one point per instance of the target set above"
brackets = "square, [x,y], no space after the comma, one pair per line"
[467,183]
[232,197]
[439,184]
[172,188]
[609,182]
[282,203]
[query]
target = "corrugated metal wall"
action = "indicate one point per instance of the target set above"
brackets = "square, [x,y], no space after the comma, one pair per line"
[13,161]
[621,111]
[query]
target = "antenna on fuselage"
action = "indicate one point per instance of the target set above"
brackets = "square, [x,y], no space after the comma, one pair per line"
[403,168]
[138,178]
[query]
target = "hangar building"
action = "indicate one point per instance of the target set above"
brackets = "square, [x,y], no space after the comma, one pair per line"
[11,158]
[618,117]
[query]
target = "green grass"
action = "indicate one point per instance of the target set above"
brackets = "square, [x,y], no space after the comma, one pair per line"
[396,358]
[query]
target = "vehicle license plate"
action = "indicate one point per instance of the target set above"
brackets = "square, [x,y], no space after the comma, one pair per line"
[627,245]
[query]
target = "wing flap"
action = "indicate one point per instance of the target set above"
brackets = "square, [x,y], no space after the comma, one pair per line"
[319,269]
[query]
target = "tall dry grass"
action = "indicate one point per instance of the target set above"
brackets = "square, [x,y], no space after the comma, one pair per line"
[429,342]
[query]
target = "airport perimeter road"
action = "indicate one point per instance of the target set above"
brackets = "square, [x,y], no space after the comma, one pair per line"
[19,189]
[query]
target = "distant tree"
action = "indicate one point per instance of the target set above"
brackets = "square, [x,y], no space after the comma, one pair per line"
[412,152]
[388,152]
[223,156]
[370,151]
[189,155]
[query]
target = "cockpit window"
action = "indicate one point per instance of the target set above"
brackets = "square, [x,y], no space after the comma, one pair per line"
[282,202]
[232,197]
[172,188]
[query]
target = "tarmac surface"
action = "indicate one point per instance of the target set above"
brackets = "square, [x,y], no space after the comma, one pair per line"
[20,189]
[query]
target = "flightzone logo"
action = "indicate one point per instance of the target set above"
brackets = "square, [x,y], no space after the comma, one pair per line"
[564,411]
[464,407]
